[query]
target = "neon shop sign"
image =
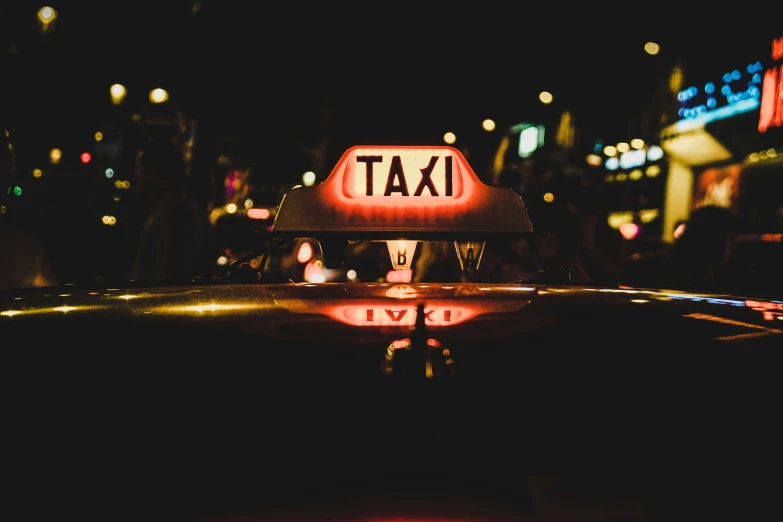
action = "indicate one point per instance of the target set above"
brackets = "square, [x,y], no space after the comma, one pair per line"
[771,111]
[736,87]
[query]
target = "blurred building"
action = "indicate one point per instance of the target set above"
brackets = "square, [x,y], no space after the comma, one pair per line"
[542,161]
[633,174]
[726,148]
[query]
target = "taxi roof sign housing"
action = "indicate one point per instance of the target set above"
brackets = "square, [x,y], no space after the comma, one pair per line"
[411,192]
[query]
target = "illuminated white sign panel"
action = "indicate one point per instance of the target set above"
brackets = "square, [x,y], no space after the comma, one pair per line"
[632,158]
[635,158]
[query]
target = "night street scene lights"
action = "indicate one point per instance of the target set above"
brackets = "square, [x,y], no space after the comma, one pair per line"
[158,95]
[117,92]
[46,15]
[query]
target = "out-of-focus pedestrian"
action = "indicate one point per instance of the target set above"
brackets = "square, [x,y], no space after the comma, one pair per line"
[23,259]
[176,238]
[700,258]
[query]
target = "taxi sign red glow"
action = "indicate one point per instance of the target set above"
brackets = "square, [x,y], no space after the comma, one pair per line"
[390,314]
[402,190]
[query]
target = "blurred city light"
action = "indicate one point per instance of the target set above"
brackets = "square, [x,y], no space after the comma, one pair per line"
[231,208]
[549,197]
[629,230]
[545,97]
[610,150]
[258,213]
[623,147]
[118,93]
[679,231]
[449,138]
[248,204]
[675,80]
[55,155]
[109,173]
[637,143]
[651,48]
[85,157]
[158,95]
[308,178]
[488,125]
[46,14]
[305,253]
[594,160]
[109,220]
[37,173]
[17,191]
[98,136]
[654,153]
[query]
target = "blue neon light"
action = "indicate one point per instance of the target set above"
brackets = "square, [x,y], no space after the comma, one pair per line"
[726,111]
[736,86]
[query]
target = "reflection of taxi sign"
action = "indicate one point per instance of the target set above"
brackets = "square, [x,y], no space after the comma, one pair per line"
[385,313]
[402,192]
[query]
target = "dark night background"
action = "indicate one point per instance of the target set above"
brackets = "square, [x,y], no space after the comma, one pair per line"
[385,71]
[270,81]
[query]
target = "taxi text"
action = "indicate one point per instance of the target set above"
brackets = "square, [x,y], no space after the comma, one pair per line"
[397,182]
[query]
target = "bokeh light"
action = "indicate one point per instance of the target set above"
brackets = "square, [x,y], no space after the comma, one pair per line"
[158,95]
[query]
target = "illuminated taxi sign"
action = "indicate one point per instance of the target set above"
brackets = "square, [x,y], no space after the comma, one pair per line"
[402,190]
[420,173]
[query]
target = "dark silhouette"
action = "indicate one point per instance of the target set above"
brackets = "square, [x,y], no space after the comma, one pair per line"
[23,259]
[700,258]
[577,239]
[175,241]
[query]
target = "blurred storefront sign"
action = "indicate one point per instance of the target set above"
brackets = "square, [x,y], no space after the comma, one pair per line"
[634,181]
[513,162]
[695,147]
[771,110]
[728,119]
[719,187]
[530,138]
[736,92]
